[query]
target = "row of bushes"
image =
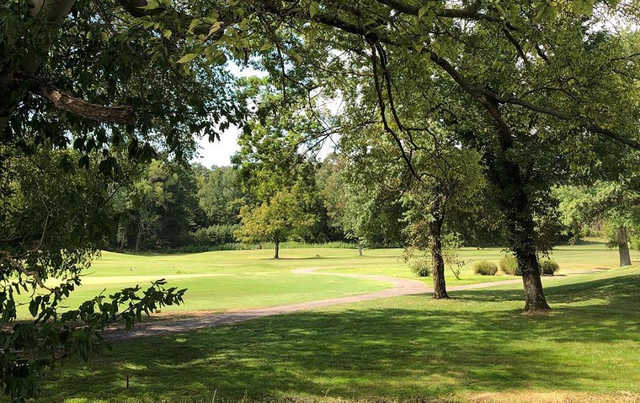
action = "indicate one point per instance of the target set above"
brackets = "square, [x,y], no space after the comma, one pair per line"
[509,265]
[214,235]
[221,237]
[206,247]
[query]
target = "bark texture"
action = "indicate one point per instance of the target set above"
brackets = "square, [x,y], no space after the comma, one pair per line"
[435,235]
[108,114]
[623,246]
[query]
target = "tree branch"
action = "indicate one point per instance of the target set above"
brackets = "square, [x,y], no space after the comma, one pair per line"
[123,114]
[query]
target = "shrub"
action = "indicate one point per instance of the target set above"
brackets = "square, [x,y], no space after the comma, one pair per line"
[548,267]
[509,265]
[419,261]
[485,268]
[214,235]
[420,265]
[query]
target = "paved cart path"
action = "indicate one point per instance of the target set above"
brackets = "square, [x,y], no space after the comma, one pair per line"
[203,320]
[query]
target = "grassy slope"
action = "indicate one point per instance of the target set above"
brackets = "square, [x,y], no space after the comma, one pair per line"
[231,280]
[585,257]
[394,348]
[226,280]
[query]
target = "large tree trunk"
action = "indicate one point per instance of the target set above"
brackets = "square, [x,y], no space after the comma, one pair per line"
[277,249]
[359,247]
[533,292]
[439,284]
[506,175]
[623,247]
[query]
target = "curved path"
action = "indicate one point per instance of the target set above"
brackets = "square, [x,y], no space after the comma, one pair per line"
[209,319]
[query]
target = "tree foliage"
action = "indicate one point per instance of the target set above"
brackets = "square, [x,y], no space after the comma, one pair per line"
[275,220]
[53,216]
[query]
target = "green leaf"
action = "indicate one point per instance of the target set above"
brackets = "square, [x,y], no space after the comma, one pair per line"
[314,9]
[187,58]
[422,11]
[151,5]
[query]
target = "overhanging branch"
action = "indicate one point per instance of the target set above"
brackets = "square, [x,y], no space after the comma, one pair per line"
[122,114]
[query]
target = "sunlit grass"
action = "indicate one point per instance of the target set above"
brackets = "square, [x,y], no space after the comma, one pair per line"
[477,344]
[232,280]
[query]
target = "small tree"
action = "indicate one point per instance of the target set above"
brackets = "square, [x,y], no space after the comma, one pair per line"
[276,220]
[450,179]
[614,204]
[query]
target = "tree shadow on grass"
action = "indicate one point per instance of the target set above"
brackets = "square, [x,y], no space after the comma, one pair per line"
[619,291]
[433,350]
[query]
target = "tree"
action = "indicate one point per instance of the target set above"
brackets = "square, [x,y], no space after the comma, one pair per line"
[614,203]
[275,221]
[77,74]
[450,178]
[278,151]
[371,209]
[55,218]
[160,208]
[493,62]
[447,177]
[80,65]
[219,194]
[496,60]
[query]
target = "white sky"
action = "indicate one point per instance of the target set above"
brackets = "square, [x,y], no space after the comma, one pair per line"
[219,153]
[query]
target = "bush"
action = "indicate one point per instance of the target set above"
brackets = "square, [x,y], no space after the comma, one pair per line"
[485,268]
[420,265]
[214,235]
[548,267]
[509,265]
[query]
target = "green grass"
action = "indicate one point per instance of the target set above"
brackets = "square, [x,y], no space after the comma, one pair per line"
[233,280]
[392,349]
[226,280]
[575,258]
[397,348]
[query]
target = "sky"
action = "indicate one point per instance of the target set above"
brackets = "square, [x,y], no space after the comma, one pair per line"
[219,153]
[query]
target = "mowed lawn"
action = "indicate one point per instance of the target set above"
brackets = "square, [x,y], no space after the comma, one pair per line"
[477,345]
[585,257]
[236,280]
[225,280]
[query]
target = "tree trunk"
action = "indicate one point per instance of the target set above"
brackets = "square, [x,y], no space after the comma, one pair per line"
[506,175]
[623,247]
[139,238]
[439,284]
[277,248]
[533,292]
[359,247]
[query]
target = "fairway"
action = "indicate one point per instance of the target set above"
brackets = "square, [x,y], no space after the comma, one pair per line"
[477,344]
[237,280]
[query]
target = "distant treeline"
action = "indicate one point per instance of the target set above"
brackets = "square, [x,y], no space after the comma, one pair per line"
[170,206]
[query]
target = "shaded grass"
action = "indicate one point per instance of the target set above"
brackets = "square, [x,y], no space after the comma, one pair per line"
[397,348]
